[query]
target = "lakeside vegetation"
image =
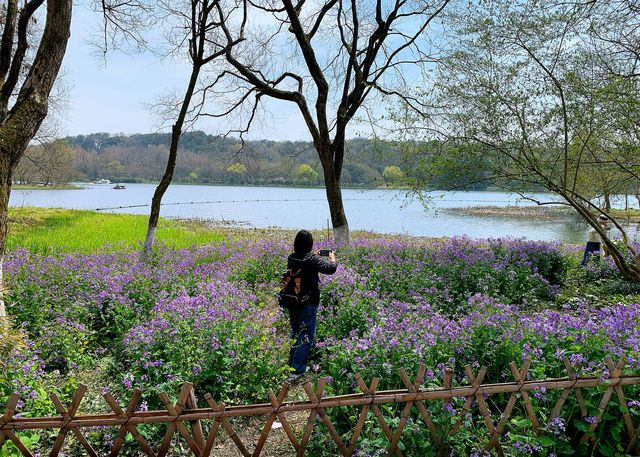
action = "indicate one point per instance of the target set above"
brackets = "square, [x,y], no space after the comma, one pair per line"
[49,231]
[47,187]
[210,159]
[205,312]
[539,212]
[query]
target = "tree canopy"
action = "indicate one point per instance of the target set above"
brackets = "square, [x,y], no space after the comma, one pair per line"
[534,91]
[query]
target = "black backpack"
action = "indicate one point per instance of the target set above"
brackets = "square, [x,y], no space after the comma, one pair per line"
[294,293]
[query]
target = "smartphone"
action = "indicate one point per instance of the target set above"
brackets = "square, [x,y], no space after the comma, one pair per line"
[325,252]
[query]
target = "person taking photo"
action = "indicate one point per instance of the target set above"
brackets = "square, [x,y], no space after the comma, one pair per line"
[303,316]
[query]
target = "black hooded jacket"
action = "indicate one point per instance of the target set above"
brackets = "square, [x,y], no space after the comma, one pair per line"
[311,265]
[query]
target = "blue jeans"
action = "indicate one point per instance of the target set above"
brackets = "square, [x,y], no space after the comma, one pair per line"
[303,330]
[591,247]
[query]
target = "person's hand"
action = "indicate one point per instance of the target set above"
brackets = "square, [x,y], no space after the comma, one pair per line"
[332,257]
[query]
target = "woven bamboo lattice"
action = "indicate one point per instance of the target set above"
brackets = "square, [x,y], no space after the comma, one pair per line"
[186,417]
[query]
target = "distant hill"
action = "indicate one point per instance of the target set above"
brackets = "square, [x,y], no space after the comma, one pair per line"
[207,158]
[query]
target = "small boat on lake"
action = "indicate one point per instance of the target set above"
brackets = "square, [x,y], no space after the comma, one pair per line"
[119,186]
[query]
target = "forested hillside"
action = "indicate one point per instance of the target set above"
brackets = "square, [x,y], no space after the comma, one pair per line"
[210,159]
[214,159]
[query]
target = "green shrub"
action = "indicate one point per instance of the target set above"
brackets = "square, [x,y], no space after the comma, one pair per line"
[620,287]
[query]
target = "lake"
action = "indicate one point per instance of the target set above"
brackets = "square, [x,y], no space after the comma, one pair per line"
[381,211]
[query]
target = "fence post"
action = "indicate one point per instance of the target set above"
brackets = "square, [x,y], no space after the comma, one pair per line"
[317,404]
[196,426]
[448,384]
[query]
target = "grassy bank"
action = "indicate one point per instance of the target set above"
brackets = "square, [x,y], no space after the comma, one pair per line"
[46,231]
[56,230]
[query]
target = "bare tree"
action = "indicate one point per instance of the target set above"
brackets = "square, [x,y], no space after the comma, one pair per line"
[196,20]
[188,26]
[49,164]
[327,58]
[25,84]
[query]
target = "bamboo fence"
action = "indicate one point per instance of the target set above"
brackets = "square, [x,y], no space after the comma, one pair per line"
[185,416]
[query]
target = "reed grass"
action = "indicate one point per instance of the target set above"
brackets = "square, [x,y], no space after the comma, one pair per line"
[51,231]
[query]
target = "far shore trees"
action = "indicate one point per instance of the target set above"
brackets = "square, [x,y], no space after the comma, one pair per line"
[543,96]
[144,157]
[306,175]
[49,164]
[392,175]
[25,84]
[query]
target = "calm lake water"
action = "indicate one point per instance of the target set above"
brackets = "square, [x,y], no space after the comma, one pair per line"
[381,211]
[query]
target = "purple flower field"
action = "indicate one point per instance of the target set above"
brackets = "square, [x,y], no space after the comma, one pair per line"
[207,315]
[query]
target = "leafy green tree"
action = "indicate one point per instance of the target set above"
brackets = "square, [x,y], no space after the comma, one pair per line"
[237,173]
[115,169]
[361,174]
[392,175]
[237,168]
[601,182]
[306,175]
[524,90]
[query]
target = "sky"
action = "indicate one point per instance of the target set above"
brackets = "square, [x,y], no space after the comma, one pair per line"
[112,96]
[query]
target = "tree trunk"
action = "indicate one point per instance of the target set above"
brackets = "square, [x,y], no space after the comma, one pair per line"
[5,191]
[23,120]
[331,156]
[336,207]
[147,249]
[626,202]
[607,201]
[176,131]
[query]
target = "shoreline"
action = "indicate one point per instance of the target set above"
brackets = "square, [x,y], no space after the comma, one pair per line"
[512,211]
[543,213]
[37,187]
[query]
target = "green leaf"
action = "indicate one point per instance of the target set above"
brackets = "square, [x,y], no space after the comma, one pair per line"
[605,449]
[521,422]
[564,449]
[545,441]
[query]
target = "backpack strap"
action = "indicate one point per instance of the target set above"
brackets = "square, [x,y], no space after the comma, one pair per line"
[288,275]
